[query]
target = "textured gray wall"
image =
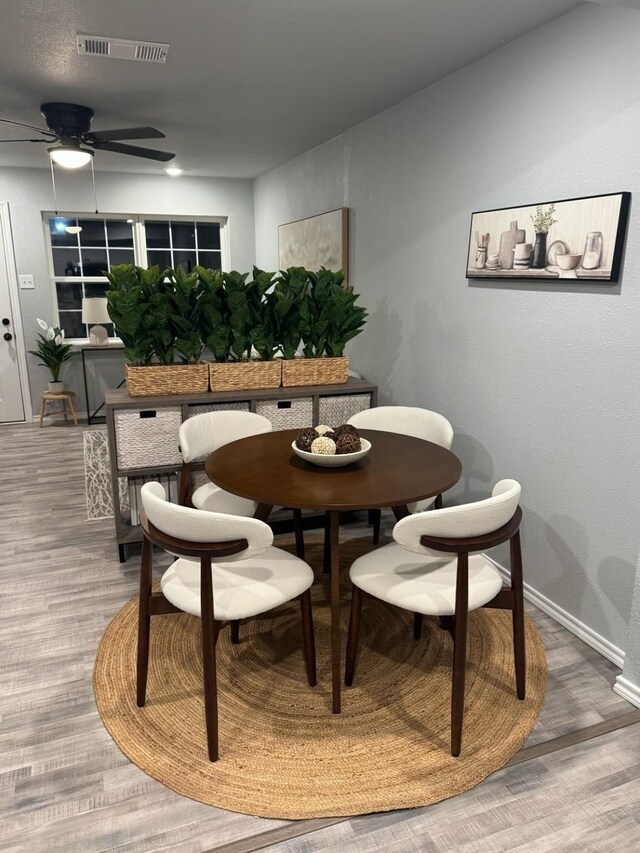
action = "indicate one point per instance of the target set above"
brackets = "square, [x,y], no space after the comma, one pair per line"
[541,382]
[29,192]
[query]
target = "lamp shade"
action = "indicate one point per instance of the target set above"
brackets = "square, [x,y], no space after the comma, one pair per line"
[94,310]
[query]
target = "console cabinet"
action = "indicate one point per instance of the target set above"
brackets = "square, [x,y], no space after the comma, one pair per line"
[143,433]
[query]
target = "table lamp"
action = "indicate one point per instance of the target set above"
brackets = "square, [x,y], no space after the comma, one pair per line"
[94,312]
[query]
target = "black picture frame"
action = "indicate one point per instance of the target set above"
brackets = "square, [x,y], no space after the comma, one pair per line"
[591,227]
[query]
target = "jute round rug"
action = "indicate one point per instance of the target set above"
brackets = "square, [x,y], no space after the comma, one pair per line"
[283,754]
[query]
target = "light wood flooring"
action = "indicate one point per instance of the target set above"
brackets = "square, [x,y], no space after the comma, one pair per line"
[64,785]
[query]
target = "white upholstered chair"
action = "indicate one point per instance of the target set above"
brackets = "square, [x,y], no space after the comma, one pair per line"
[406,420]
[200,436]
[420,572]
[226,570]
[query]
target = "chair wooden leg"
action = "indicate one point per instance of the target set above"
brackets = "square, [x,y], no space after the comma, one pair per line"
[235,631]
[377,519]
[299,533]
[185,482]
[417,626]
[42,410]
[519,649]
[459,653]
[209,658]
[354,634]
[144,622]
[308,639]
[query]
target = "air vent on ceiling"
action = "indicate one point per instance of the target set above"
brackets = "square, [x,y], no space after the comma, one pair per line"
[113,48]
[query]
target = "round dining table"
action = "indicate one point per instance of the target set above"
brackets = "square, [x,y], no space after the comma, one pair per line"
[398,470]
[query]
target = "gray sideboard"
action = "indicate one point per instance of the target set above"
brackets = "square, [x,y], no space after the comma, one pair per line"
[143,432]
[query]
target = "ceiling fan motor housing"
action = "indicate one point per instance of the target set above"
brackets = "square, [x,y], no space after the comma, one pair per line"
[67,119]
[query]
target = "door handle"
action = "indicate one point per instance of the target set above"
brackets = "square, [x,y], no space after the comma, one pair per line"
[8,336]
[6,321]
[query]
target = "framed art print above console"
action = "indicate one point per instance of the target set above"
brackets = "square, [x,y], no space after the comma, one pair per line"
[579,239]
[317,241]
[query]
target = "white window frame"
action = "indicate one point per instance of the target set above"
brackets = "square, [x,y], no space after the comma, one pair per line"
[139,247]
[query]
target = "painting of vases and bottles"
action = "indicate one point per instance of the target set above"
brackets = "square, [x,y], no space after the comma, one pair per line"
[579,238]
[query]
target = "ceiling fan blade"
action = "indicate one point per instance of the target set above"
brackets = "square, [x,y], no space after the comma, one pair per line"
[26,140]
[134,150]
[28,126]
[127,133]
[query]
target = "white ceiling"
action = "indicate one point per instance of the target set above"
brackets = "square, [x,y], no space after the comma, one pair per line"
[248,84]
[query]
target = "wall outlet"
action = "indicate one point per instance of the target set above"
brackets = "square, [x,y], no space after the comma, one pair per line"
[26,282]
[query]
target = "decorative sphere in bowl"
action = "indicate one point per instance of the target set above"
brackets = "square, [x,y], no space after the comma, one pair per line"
[336,460]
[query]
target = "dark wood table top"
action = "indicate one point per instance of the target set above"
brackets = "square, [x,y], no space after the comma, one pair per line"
[399,469]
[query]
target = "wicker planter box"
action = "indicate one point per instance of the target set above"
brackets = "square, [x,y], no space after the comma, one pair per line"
[315,371]
[239,375]
[153,379]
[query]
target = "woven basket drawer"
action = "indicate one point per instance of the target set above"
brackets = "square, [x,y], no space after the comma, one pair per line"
[337,410]
[287,414]
[147,438]
[217,407]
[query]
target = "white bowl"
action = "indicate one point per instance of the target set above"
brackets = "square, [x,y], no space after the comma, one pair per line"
[338,460]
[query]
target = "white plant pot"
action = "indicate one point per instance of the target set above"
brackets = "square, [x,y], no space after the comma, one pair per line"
[56,387]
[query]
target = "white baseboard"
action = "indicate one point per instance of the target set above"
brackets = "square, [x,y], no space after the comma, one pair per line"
[628,690]
[586,634]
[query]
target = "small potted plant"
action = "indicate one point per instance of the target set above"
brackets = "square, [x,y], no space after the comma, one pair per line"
[52,352]
[236,321]
[328,319]
[146,307]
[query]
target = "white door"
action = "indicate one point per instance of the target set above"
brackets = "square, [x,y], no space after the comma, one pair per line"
[11,404]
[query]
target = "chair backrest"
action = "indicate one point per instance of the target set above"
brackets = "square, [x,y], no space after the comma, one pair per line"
[460,522]
[195,525]
[407,420]
[202,434]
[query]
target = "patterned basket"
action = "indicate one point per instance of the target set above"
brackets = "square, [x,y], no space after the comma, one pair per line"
[315,371]
[154,379]
[146,438]
[239,375]
[287,414]
[337,410]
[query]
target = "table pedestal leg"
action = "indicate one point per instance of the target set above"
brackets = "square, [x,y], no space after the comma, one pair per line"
[335,611]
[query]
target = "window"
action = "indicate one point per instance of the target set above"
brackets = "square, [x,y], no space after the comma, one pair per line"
[81,248]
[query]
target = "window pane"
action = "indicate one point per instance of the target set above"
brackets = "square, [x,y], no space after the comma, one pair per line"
[69,295]
[66,262]
[208,235]
[184,235]
[210,260]
[59,236]
[96,288]
[120,256]
[92,233]
[94,261]
[187,260]
[119,233]
[157,235]
[71,322]
[163,259]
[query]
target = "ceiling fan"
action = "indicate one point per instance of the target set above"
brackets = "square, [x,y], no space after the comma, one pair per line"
[69,128]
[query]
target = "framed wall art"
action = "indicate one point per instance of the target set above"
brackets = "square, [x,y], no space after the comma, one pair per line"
[574,239]
[317,241]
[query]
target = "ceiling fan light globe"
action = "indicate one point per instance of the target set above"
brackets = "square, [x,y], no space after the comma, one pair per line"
[70,158]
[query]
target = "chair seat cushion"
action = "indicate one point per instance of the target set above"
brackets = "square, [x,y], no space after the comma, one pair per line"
[240,589]
[214,499]
[423,584]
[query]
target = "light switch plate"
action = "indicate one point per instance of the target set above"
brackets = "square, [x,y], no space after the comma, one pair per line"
[26,282]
